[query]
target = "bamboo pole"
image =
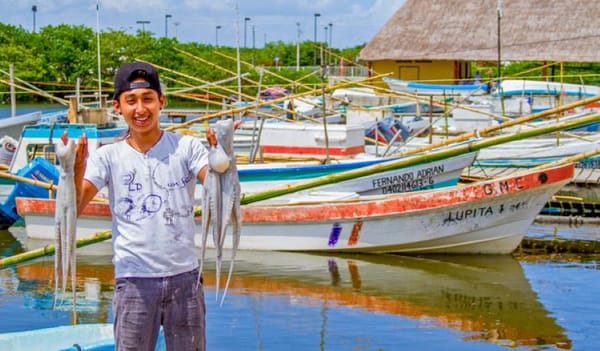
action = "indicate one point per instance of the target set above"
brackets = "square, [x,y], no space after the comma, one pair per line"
[430,100]
[271,103]
[41,93]
[347,175]
[417,98]
[287,110]
[495,128]
[276,75]
[415,159]
[265,103]
[570,159]
[26,180]
[49,249]
[49,186]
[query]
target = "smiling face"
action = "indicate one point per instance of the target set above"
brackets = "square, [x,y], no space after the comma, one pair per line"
[140,108]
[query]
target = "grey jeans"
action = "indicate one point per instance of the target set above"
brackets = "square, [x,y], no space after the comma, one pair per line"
[142,305]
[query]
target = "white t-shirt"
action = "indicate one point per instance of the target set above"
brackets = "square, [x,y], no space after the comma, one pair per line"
[151,198]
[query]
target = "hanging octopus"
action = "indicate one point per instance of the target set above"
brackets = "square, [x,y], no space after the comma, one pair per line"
[221,199]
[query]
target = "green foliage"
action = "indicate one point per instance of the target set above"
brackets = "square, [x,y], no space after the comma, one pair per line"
[56,56]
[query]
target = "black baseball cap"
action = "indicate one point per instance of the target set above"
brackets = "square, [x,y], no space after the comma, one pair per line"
[133,70]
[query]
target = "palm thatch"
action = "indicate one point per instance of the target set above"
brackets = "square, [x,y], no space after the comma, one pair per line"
[531,30]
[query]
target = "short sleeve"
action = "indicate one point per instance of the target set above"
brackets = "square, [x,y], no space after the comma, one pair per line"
[198,156]
[97,170]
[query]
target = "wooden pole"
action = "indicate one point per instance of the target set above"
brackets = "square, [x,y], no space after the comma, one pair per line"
[50,186]
[247,79]
[231,91]
[26,180]
[495,128]
[415,159]
[570,159]
[49,249]
[266,103]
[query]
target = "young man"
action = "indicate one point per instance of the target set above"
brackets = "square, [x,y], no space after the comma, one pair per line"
[151,176]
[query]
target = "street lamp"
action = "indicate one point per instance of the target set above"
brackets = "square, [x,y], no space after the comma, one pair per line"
[217,35]
[143,23]
[498,19]
[330,33]
[324,52]
[253,43]
[315,39]
[245,23]
[176,25]
[167,16]
[316,15]
[297,46]
[34,10]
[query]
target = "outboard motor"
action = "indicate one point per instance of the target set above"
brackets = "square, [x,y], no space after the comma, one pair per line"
[38,169]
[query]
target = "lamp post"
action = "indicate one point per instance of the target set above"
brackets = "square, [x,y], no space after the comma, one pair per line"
[34,10]
[316,15]
[253,43]
[499,17]
[143,23]
[499,67]
[315,39]
[297,46]
[324,59]
[246,19]
[176,25]
[167,16]
[217,35]
[330,33]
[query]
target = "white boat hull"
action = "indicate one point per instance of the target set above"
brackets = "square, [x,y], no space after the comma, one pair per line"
[488,217]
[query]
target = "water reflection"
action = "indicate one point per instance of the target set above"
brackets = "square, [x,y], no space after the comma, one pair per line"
[485,298]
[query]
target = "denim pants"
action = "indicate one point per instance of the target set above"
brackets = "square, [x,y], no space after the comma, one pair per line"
[142,305]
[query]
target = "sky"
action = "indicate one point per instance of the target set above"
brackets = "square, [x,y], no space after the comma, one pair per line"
[353,22]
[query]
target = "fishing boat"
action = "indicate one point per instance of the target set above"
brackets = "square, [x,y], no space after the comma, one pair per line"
[511,157]
[34,158]
[424,175]
[488,217]
[524,87]
[12,126]
[436,89]
[32,169]
[88,337]
[39,140]
[11,129]
[535,96]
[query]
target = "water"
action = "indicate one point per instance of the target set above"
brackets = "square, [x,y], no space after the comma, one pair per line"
[29,108]
[288,301]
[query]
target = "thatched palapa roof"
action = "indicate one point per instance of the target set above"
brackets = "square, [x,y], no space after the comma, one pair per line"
[531,30]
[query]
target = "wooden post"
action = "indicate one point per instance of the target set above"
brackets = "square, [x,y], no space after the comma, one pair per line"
[72,114]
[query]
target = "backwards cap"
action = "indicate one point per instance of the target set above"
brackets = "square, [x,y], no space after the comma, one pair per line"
[133,70]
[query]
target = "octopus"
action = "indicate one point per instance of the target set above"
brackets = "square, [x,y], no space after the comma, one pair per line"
[221,200]
[65,218]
